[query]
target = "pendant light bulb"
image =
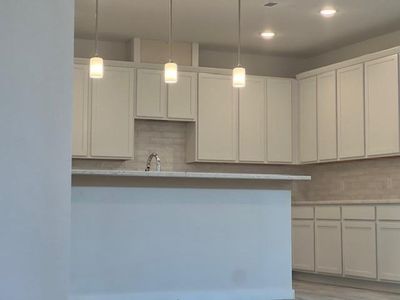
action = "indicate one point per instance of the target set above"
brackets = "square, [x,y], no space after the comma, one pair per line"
[171,72]
[96,65]
[170,68]
[96,68]
[239,73]
[239,77]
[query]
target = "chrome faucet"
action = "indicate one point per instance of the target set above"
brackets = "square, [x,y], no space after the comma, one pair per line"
[158,162]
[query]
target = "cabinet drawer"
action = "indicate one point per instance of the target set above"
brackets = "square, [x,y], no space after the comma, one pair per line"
[389,212]
[302,212]
[358,212]
[327,212]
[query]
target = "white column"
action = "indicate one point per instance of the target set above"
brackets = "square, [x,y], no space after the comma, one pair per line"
[35,148]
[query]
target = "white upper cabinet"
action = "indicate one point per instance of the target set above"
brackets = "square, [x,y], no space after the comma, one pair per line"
[151,92]
[308,119]
[157,100]
[217,118]
[112,114]
[382,106]
[326,115]
[279,120]
[252,120]
[80,111]
[182,97]
[350,99]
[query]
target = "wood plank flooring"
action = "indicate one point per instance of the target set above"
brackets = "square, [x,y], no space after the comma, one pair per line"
[316,291]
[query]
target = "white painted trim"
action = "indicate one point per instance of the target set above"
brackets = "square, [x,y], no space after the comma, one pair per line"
[195,54]
[137,54]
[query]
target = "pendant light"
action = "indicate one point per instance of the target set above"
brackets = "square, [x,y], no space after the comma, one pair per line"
[96,68]
[239,73]
[170,68]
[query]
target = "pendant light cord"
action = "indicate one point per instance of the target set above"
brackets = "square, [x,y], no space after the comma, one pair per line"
[170,31]
[97,26]
[239,33]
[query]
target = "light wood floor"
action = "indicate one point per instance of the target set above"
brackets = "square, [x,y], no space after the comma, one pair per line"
[315,291]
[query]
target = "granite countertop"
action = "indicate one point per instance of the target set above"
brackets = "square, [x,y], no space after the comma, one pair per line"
[171,174]
[346,202]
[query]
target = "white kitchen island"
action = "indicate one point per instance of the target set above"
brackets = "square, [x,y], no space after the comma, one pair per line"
[176,235]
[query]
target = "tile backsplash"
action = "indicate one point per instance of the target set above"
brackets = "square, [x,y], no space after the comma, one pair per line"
[366,179]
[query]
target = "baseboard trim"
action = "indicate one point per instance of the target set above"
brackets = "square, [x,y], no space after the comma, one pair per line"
[348,282]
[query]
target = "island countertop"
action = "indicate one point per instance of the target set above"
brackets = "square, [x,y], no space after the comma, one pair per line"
[173,174]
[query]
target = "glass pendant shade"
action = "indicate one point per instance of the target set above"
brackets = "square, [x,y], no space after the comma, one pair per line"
[96,69]
[239,77]
[171,72]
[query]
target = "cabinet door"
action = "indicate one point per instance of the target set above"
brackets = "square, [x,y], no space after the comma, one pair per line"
[182,97]
[328,247]
[382,106]
[151,94]
[350,94]
[279,120]
[112,114]
[303,245]
[308,119]
[252,121]
[389,251]
[80,111]
[326,115]
[217,118]
[359,249]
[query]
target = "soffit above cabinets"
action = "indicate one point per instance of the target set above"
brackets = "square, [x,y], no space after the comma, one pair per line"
[300,30]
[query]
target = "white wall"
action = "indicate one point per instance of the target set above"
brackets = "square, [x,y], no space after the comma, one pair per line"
[256,64]
[111,50]
[376,44]
[149,243]
[35,129]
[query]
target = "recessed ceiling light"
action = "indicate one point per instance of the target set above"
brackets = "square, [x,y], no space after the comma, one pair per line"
[328,12]
[268,35]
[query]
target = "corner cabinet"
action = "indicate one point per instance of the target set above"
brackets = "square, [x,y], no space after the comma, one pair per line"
[326,116]
[217,118]
[382,106]
[308,119]
[350,101]
[279,120]
[247,125]
[103,125]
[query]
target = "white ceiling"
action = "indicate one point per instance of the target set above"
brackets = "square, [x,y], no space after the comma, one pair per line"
[300,30]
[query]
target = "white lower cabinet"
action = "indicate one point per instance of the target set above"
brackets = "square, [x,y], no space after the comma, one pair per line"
[328,247]
[358,241]
[389,250]
[303,245]
[359,249]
